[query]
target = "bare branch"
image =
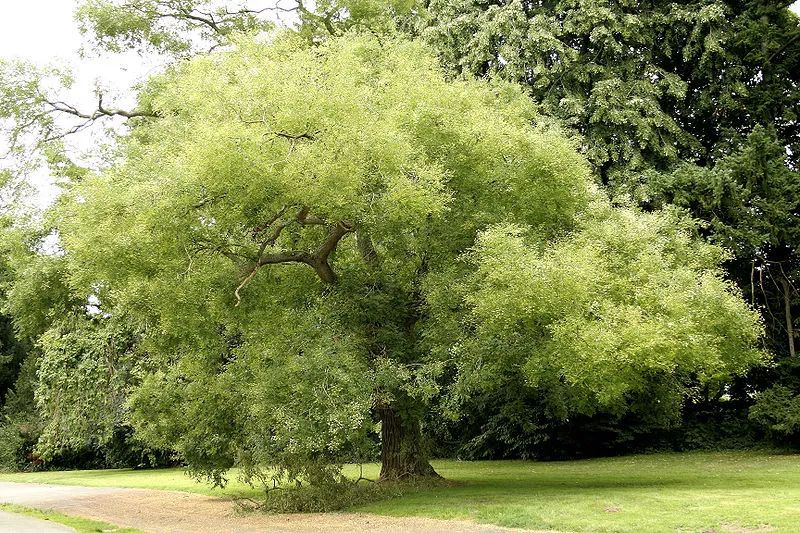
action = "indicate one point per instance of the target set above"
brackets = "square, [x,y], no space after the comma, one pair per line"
[101,111]
[289,136]
[208,21]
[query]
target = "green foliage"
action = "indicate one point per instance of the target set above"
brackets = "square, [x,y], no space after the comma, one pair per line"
[66,398]
[271,334]
[30,129]
[169,26]
[22,99]
[355,135]
[778,410]
[646,84]
[21,425]
[83,374]
[12,354]
[306,232]
[693,104]
[322,498]
[629,305]
[187,27]
[748,197]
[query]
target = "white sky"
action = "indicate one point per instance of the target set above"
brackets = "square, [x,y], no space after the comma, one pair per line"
[43,31]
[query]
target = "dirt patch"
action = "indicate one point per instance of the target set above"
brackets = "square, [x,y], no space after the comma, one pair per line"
[178,512]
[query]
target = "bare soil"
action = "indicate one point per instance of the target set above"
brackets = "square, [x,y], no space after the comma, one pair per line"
[173,512]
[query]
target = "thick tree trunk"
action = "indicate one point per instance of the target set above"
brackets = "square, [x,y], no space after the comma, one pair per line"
[403,455]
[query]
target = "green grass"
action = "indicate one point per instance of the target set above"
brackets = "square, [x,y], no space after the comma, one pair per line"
[81,525]
[646,493]
[733,491]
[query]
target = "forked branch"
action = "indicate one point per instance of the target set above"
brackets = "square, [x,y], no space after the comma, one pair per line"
[319,259]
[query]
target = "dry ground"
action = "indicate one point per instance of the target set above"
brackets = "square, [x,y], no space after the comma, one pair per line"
[173,512]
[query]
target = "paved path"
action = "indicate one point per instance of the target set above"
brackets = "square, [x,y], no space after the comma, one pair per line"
[25,524]
[178,512]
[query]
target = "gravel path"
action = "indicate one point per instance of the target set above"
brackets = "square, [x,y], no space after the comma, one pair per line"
[25,524]
[173,512]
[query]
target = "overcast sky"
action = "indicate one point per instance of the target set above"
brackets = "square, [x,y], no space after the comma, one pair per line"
[44,31]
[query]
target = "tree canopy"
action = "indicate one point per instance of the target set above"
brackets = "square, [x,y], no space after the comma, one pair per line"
[315,237]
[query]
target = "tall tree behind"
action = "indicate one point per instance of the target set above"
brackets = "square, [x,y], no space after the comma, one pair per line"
[647,84]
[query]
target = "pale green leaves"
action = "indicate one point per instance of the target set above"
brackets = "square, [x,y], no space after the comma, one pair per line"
[626,299]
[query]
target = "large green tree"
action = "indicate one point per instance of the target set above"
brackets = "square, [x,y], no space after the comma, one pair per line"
[647,84]
[317,238]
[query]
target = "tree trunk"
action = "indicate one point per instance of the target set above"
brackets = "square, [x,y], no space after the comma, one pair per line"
[403,455]
[787,309]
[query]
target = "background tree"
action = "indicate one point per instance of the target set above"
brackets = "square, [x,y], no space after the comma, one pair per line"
[65,405]
[645,84]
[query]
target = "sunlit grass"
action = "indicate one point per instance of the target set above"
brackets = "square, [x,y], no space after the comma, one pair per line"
[733,491]
[79,524]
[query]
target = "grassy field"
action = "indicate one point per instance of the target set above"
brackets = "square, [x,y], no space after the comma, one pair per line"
[698,492]
[80,525]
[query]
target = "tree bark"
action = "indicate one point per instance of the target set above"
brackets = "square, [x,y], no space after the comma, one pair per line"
[403,455]
[787,308]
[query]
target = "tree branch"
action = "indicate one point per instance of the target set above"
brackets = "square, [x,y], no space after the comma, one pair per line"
[336,233]
[285,135]
[305,219]
[319,260]
[101,111]
[262,227]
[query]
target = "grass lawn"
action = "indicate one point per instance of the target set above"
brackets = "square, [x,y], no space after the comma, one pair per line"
[81,525]
[710,492]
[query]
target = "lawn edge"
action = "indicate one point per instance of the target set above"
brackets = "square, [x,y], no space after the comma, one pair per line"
[79,523]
